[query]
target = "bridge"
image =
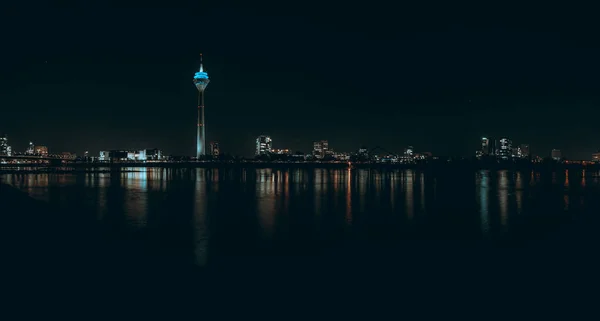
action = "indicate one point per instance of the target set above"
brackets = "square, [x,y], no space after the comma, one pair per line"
[50,158]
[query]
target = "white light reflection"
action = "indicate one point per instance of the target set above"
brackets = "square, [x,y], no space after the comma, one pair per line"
[136,195]
[519,192]
[266,201]
[201,233]
[483,191]
[503,196]
[409,193]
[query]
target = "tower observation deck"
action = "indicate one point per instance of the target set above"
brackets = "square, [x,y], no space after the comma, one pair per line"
[201,81]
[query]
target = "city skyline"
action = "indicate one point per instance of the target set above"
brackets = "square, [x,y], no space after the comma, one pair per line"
[441,89]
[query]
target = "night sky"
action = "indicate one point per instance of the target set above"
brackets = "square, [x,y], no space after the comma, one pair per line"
[92,77]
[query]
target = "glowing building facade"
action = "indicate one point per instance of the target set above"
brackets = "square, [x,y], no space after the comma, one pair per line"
[201,81]
[485,146]
[320,149]
[264,145]
[41,150]
[5,150]
[215,151]
[505,150]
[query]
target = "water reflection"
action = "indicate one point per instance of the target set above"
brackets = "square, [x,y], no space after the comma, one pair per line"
[408,193]
[519,192]
[200,217]
[270,208]
[503,197]
[349,196]
[483,191]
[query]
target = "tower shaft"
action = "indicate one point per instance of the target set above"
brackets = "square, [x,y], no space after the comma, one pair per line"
[201,138]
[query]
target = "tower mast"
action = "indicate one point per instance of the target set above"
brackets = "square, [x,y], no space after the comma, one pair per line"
[201,81]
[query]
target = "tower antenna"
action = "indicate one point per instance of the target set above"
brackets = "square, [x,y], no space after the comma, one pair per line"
[201,69]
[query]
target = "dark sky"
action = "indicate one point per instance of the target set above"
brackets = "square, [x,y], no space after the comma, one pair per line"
[438,77]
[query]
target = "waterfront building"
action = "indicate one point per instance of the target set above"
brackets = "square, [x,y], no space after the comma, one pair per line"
[523,151]
[596,157]
[264,145]
[215,151]
[485,146]
[556,154]
[282,151]
[320,149]
[4,145]
[41,150]
[30,149]
[505,150]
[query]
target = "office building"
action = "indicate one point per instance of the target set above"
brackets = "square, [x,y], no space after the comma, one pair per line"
[485,146]
[41,150]
[556,154]
[126,155]
[201,81]
[154,154]
[408,151]
[523,151]
[4,145]
[264,145]
[505,150]
[30,149]
[215,151]
[320,149]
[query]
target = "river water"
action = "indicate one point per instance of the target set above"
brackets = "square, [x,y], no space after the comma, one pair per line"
[209,216]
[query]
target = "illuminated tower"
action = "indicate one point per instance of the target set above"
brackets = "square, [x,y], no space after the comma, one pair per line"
[201,81]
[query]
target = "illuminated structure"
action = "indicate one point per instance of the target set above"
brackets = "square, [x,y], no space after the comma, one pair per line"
[201,81]
[596,157]
[282,151]
[523,151]
[408,151]
[31,149]
[5,150]
[320,148]
[215,151]
[41,150]
[505,151]
[263,145]
[556,154]
[485,146]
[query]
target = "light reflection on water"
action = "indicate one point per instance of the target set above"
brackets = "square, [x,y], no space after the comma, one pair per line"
[358,200]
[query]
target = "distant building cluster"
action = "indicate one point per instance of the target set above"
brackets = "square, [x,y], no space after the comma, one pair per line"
[140,155]
[503,149]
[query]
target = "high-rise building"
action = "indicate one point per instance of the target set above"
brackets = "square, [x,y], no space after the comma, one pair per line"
[201,81]
[485,146]
[154,154]
[264,145]
[41,150]
[505,151]
[556,154]
[320,148]
[215,151]
[408,151]
[30,149]
[523,151]
[4,145]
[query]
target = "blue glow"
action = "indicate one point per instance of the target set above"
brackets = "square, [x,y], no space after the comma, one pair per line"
[201,75]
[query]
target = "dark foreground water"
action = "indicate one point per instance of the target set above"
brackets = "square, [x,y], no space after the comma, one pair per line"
[297,226]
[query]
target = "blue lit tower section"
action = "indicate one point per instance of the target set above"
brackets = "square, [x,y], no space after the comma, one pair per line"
[201,81]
